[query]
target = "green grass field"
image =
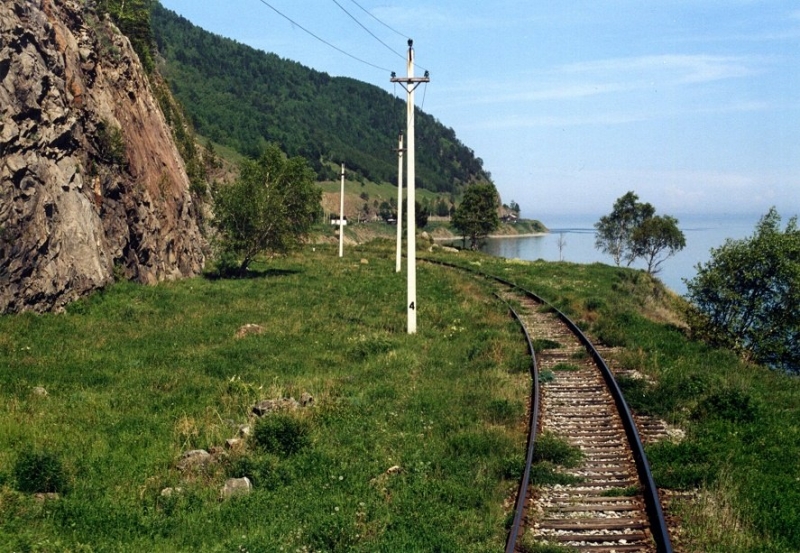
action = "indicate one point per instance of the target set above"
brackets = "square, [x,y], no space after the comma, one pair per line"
[413,443]
[135,376]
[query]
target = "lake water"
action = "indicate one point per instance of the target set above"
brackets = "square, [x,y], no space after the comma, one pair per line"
[702,233]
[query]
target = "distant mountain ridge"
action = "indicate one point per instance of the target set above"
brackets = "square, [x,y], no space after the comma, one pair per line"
[243,98]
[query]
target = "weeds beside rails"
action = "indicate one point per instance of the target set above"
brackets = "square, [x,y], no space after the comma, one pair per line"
[734,470]
[410,446]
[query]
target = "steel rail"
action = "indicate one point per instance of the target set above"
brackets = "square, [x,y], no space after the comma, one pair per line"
[522,491]
[658,524]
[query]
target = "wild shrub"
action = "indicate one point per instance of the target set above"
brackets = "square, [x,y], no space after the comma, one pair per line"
[263,471]
[111,143]
[546,376]
[541,344]
[621,492]
[566,367]
[556,450]
[731,405]
[512,467]
[545,473]
[281,434]
[40,472]
[594,304]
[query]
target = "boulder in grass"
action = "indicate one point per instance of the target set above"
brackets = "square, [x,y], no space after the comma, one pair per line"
[236,486]
[234,444]
[267,406]
[248,329]
[193,459]
[306,400]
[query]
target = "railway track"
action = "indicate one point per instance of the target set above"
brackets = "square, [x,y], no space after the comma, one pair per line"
[605,511]
[613,505]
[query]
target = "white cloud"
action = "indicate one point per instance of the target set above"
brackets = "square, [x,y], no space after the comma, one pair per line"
[607,77]
[668,69]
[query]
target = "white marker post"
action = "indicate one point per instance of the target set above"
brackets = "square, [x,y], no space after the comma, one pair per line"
[341,217]
[399,205]
[410,84]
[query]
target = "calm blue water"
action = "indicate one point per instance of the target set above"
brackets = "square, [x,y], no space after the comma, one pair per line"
[702,233]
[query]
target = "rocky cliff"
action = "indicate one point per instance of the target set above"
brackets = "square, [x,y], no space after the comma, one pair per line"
[91,184]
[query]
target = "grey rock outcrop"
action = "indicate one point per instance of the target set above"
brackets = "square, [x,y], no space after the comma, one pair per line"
[91,182]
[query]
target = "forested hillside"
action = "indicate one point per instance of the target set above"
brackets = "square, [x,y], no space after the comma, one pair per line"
[243,98]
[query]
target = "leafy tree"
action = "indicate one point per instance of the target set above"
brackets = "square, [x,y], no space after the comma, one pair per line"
[656,239]
[386,212]
[270,208]
[615,231]
[133,19]
[747,296]
[477,215]
[421,214]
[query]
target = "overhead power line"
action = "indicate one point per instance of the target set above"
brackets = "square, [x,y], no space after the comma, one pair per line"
[378,20]
[401,56]
[322,40]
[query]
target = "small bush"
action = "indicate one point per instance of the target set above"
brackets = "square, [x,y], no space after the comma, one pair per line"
[545,474]
[546,376]
[40,472]
[541,344]
[566,367]
[730,405]
[594,304]
[556,450]
[281,434]
[226,265]
[264,471]
[512,467]
[621,492]
[111,143]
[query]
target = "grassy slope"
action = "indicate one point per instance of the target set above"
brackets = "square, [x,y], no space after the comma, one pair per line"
[739,460]
[136,375]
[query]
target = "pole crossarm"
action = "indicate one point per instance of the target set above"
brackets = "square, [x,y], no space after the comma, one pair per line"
[410,83]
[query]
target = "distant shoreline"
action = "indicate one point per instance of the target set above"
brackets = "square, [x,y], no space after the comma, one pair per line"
[457,237]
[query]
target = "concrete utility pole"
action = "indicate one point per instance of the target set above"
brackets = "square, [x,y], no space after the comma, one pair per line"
[399,204]
[341,216]
[410,83]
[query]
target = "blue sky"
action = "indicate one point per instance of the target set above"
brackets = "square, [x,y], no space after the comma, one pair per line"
[693,104]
